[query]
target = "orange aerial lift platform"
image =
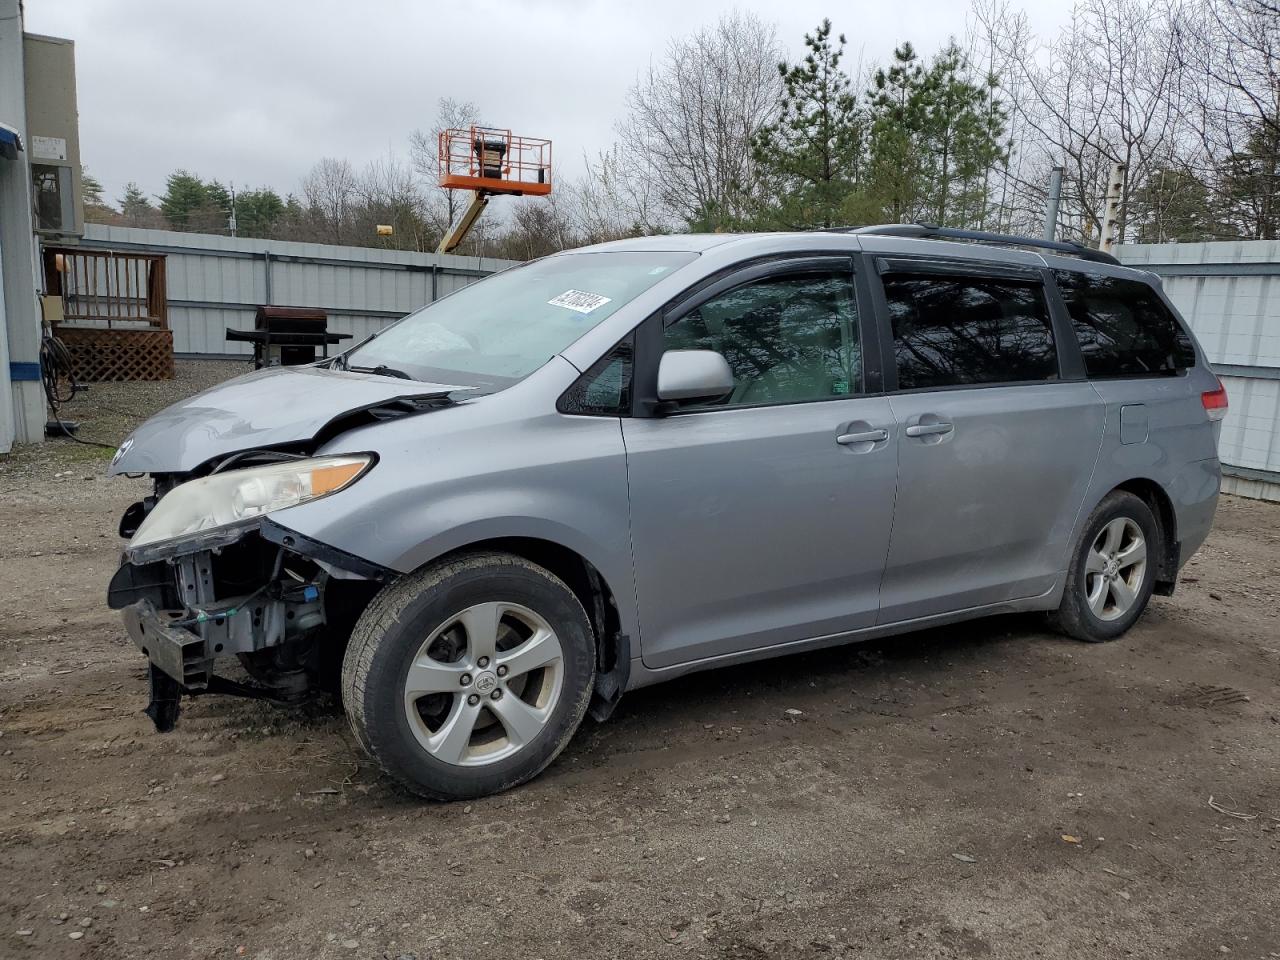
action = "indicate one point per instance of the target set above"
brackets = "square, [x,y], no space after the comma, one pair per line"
[490,162]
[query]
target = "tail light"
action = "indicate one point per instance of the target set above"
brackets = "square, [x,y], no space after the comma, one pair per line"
[1215,402]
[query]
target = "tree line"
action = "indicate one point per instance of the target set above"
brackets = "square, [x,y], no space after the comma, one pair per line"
[723,132]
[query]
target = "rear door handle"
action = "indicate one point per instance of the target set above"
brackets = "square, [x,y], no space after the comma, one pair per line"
[866,436]
[929,429]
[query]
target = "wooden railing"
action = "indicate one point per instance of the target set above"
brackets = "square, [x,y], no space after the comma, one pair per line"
[107,288]
[115,315]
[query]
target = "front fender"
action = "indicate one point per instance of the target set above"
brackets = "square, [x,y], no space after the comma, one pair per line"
[555,478]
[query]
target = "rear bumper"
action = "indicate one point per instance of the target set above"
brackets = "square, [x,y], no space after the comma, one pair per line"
[1194,493]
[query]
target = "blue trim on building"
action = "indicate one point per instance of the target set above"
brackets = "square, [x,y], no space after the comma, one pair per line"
[24,371]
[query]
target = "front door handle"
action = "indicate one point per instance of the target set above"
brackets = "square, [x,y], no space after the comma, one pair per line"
[929,429]
[866,436]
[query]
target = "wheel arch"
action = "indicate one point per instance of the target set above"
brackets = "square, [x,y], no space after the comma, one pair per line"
[1157,499]
[598,599]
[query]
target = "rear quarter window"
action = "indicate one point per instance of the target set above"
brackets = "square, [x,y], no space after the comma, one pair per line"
[1124,328]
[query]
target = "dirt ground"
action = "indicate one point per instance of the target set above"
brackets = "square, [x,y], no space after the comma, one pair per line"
[991,790]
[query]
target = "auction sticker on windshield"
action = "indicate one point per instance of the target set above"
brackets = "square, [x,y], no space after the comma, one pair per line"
[579,301]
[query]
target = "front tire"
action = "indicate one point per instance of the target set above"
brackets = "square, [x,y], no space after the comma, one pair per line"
[1112,572]
[470,676]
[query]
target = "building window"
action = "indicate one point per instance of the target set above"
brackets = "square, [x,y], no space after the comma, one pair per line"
[52,197]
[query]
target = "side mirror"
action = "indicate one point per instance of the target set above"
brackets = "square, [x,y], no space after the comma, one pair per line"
[685,375]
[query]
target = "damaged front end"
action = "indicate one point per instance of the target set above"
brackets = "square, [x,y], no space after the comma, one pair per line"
[199,588]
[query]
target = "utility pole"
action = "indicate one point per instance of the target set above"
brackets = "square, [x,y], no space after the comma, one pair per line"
[1051,205]
[1111,215]
[231,221]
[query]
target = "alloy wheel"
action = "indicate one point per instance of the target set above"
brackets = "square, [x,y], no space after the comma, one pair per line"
[484,684]
[1115,569]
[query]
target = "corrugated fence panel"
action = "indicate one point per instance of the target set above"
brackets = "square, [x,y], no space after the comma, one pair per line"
[1234,317]
[361,327]
[1249,432]
[450,283]
[1229,293]
[217,282]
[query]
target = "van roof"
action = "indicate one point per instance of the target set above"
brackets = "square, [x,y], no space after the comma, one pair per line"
[897,239]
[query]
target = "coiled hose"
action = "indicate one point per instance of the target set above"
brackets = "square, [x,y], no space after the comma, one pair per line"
[56,363]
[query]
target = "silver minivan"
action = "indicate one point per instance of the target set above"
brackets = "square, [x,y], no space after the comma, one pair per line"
[623,463]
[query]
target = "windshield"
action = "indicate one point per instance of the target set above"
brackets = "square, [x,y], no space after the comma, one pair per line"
[498,331]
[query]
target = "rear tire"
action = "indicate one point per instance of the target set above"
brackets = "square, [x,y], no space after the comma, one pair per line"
[470,676]
[1112,571]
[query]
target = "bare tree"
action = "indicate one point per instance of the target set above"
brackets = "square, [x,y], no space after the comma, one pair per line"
[442,206]
[329,190]
[1236,91]
[692,117]
[389,194]
[611,200]
[1245,36]
[538,227]
[1109,89]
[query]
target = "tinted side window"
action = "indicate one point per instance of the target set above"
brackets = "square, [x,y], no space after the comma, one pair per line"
[605,389]
[788,339]
[1124,328]
[950,331]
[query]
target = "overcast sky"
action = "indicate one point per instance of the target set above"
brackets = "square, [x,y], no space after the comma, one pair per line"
[255,92]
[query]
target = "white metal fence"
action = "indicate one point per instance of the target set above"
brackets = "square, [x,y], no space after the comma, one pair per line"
[1230,294]
[218,282]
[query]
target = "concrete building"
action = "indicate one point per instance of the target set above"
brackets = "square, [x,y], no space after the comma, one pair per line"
[40,197]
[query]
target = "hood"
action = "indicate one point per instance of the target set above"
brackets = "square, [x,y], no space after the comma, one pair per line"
[268,408]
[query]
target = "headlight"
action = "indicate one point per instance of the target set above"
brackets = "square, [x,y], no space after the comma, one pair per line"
[220,504]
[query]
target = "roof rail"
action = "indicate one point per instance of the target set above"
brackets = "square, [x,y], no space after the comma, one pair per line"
[925,231]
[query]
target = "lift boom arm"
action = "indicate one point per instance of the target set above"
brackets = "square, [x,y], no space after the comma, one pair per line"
[459,229]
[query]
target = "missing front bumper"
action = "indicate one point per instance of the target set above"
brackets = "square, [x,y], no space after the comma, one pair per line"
[175,651]
[178,664]
[279,602]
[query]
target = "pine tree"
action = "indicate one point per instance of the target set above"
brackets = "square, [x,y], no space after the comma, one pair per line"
[258,211]
[91,188]
[812,155]
[961,134]
[1172,204]
[1248,185]
[895,181]
[935,133]
[135,207]
[184,196]
[96,207]
[219,197]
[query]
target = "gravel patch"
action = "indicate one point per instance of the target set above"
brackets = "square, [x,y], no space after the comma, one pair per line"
[109,412]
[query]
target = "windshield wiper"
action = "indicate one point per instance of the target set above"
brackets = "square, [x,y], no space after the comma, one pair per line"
[340,361]
[381,370]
